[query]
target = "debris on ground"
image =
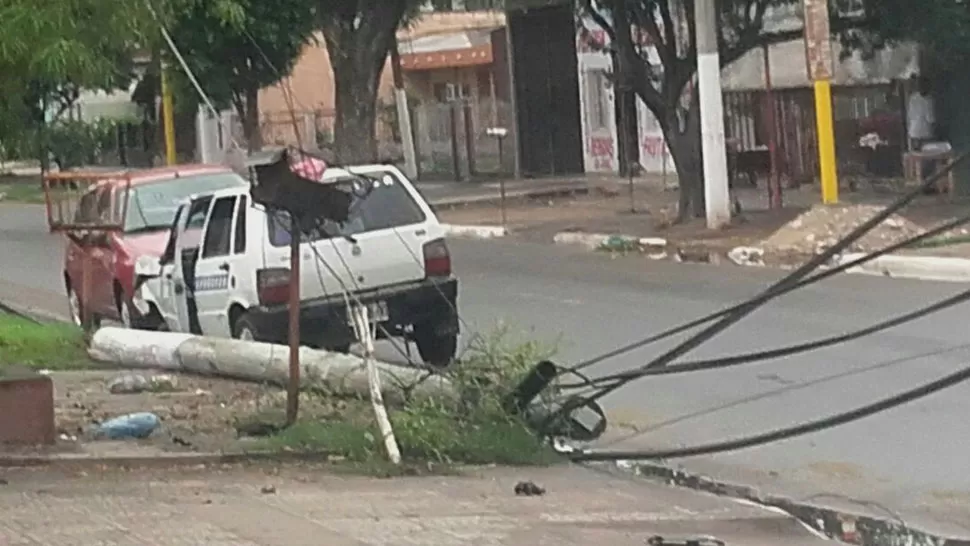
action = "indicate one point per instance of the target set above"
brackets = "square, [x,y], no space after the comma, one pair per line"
[195,413]
[135,383]
[528,489]
[822,226]
[268,490]
[134,425]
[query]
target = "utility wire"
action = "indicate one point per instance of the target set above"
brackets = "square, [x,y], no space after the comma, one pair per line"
[712,410]
[782,433]
[290,104]
[831,272]
[789,281]
[747,307]
[748,358]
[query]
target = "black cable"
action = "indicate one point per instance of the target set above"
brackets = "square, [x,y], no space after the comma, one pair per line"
[783,433]
[749,306]
[747,358]
[942,228]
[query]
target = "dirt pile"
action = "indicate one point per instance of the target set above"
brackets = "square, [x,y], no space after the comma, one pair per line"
[821,227]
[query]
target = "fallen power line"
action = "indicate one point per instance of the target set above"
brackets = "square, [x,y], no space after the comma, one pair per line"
[730,316]
[783,433]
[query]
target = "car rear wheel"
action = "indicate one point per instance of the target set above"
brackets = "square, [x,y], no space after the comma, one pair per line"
[436,350]
[246,330]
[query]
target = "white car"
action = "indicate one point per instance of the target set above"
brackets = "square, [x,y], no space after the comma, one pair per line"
[225,271]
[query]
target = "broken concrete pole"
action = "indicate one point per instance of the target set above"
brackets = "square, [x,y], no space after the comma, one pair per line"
[340,374]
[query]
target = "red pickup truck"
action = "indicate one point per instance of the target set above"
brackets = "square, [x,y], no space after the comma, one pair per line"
[152,200]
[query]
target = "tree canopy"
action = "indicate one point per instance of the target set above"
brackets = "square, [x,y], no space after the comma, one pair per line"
[241,46]
[59,45]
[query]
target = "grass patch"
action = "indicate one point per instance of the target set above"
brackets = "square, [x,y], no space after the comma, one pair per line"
[22,189]
[477,431]
[51,346]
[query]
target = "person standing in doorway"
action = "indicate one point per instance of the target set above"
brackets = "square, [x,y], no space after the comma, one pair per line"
[920,115]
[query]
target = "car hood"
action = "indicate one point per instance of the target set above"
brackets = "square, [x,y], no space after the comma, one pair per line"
[151,243]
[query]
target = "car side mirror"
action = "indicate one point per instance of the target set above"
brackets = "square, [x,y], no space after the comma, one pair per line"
[148,267]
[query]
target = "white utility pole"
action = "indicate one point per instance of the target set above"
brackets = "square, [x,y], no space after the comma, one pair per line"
[712,116]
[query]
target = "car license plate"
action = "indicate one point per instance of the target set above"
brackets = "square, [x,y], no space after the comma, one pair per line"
[376,312]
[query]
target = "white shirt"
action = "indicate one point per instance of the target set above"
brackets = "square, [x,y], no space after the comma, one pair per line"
[920,117]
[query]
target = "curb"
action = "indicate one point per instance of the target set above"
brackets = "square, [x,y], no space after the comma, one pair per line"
[82,461]
[490,199]
[475,232]
[850,527]
[928,268]
[39,315]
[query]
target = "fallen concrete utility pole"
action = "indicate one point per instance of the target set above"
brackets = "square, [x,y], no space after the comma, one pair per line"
[336,373]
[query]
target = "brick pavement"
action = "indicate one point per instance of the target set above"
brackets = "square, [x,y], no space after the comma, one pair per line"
[226,506]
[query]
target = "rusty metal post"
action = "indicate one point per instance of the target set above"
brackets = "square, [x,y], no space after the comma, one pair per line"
[455,154]
[293,387]
[469,138]
[774,183]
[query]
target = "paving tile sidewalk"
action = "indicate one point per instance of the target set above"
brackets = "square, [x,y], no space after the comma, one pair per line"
[263,506]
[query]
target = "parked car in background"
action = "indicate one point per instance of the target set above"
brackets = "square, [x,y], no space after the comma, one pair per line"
[152,201]
[226,272]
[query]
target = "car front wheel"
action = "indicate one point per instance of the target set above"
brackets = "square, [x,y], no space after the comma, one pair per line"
[76,308]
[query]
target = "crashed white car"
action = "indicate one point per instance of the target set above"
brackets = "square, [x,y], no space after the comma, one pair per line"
[225,271]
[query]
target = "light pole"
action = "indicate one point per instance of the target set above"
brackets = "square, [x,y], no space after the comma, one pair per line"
[716,196]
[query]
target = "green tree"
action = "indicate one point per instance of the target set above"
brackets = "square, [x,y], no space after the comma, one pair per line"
[635,25]
[237,47]
[56,47]
[941,27]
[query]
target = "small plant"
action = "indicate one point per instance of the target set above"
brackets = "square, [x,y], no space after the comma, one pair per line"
[477,430]
[620,245]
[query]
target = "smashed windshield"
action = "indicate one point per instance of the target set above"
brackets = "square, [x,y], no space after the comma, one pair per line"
[153,205]
[387,205]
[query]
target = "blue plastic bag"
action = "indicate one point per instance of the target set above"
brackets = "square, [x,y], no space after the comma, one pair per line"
[133,425]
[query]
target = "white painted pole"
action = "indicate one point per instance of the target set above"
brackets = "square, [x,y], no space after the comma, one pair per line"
[407,134]
[366,337]
[712,116]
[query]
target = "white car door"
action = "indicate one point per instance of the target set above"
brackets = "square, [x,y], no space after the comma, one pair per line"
[172,296]
[181,275]
[217,267]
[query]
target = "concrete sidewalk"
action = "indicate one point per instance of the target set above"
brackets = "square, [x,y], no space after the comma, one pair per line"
[263,506]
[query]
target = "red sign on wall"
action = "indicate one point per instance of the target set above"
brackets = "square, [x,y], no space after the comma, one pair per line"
[602,150]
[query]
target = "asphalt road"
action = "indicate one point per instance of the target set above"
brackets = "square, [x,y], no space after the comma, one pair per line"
[908,461]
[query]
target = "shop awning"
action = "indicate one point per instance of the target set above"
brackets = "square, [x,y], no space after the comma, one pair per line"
[451,50]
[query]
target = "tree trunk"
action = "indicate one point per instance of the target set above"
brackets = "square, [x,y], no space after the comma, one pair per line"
[685,148]
[355,94]
[251,129]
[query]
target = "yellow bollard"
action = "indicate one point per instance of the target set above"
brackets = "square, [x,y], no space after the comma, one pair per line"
[826,142]
[168,119]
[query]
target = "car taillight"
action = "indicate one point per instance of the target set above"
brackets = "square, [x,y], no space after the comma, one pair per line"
[273,286]
[437,259]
